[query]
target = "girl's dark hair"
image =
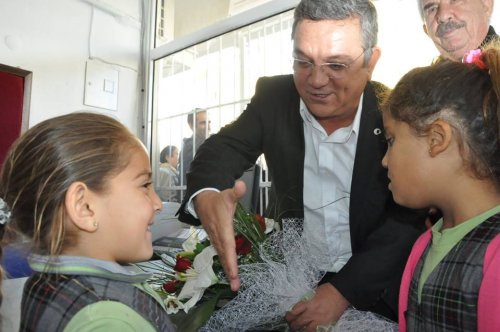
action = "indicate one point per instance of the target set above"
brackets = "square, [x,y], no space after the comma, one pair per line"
[47,159]
[464,95]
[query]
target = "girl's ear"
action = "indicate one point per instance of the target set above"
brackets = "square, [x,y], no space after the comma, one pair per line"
[439,137]
[78,208]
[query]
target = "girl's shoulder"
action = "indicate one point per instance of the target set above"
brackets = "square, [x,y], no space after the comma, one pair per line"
[108,316]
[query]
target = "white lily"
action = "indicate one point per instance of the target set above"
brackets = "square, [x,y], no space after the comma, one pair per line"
[190,244]
[173,304]
[198,278]
[271,225]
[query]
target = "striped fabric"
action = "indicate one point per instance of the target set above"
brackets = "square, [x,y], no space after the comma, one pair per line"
[450,294]
[51,300]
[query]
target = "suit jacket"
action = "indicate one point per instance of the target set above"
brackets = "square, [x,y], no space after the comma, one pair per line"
[382,233]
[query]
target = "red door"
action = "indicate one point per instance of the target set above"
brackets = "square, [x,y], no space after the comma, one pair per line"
[11,110]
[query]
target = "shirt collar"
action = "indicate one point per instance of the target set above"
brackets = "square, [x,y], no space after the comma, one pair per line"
[78,265]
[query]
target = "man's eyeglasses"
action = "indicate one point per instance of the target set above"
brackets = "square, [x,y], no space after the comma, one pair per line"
[334,70]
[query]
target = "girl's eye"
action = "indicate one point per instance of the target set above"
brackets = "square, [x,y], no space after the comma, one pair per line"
[147,184]
[390,141]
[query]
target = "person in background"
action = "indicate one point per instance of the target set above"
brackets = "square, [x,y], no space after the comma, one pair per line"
[168,176]
[320,131]
[87,203]
[456,27]
[442,124]
[200,125]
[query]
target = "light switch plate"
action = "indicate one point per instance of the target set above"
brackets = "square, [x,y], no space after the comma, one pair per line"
[101,85]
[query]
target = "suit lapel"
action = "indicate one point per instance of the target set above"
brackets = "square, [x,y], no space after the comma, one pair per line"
[369,180]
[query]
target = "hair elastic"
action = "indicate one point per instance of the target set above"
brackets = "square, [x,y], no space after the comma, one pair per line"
[475,57]
[4,212]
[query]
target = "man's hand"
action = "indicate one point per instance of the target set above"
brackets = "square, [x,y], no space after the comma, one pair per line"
[216,211]
[324,308]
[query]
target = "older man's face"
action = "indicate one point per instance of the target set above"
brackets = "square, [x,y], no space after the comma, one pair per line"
[456,26]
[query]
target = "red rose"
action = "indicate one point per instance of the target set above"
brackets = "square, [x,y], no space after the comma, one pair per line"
[262,222]
[170,286]
[182,264]
[243,246]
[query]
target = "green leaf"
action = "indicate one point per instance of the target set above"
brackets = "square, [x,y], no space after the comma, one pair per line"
[195,318]
[199,314]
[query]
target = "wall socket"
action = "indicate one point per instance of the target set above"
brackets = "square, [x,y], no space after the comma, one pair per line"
[101,85]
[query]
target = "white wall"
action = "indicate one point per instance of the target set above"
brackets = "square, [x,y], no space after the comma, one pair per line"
[52,39]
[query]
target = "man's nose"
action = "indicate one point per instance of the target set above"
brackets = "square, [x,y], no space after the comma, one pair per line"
[318,76]
[444,12]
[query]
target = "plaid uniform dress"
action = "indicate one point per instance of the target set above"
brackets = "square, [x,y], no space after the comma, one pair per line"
[51,300]
[450,295]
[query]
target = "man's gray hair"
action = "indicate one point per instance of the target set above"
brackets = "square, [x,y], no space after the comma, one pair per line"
[364,10]
[420,9]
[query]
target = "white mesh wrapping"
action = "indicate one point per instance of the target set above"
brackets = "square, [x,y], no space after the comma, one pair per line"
[269,289]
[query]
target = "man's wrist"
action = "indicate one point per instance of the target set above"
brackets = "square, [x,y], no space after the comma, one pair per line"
[190,205]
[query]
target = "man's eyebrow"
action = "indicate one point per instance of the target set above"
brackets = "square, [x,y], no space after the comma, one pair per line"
[427,5]
[333,57]
[296,51]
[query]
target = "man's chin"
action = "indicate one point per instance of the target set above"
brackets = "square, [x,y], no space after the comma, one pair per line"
[453,46]
[454,52]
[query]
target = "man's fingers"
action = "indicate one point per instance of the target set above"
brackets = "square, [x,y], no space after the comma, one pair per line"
[217,219]
[239,190]
[226,249]
[232,271]
[298,319]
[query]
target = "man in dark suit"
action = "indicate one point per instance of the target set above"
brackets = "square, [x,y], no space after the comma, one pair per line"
[200,125]
[320,131]
[456,27]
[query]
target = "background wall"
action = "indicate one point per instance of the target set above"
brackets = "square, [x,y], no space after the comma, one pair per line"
[55,38]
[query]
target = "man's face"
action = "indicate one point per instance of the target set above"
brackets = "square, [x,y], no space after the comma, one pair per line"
[456,26]
[328,41]
[202,125]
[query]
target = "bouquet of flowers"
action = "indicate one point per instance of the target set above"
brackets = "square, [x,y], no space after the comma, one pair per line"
[276,271]
[194,273]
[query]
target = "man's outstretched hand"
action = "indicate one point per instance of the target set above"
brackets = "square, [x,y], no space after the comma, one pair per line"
[216,211]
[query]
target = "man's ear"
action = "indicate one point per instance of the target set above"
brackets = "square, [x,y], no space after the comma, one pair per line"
[488,7]
[424,27]
[78,208]
[439,137]
[373,59]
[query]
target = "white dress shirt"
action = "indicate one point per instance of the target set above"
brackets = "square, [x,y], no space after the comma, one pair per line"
[328,167]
